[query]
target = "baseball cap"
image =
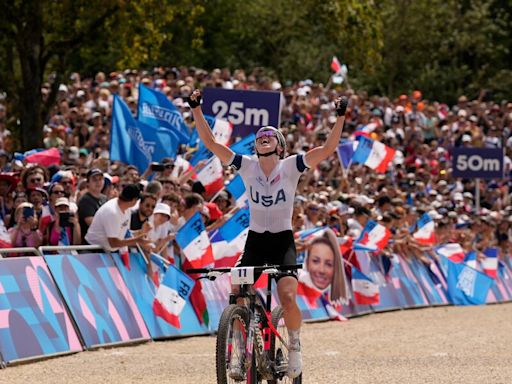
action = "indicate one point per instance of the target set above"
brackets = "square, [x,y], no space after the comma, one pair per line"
[62,201]
[94,171]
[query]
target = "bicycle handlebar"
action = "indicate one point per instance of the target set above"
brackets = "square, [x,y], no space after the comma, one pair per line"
[282,268]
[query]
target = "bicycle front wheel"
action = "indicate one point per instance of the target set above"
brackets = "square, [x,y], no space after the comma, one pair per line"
[231,342]
[279,349]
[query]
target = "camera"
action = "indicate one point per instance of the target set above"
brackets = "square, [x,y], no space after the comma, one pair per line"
[28,212]
[64,219]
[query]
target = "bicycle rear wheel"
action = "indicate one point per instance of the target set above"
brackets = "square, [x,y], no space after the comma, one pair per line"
[278,348]
[231,339]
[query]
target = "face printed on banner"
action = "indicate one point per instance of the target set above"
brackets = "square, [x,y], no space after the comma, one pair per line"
[320,265]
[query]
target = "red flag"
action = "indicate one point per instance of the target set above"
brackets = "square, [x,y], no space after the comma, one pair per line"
[335,65]
[45,158]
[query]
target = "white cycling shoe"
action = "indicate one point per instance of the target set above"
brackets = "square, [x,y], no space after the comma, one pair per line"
[294,363]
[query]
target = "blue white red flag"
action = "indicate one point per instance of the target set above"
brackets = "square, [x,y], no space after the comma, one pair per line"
[451,251]
[172,295]
[367,130]
[156,110]
[212,176]
[221,129]
[490,263]
[335,65]
[194,243]
[467,286]
[425,233]
[373,154]
[365,290]
[158,268]
[229,241]
[5,238]
[237,189]
[124,252]
[244,146]
[308,234]
[373,238]
[136,143]
[470,259]
[345,152]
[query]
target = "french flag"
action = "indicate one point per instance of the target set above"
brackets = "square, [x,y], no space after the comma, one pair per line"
[490,262]
[373,238]
[5,238]
[158,268]
[194,243]
[211,176]
[221,129]
[181,165]
[425,230]
[345,152]
[229,240]
[470,259]
[451,251]
[367,129]
[172,295]
[335,65]
[373,154]
[124,252]
[365,290]
[308,234]
[237,189]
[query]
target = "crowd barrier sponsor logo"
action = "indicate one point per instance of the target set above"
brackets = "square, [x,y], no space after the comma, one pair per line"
[98,298]
[33,318]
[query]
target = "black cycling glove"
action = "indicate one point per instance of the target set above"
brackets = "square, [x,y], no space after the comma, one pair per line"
[341,106]
[194,103]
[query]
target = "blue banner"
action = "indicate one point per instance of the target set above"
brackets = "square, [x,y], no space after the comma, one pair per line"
[248,111]
[484,163]
[99,300]
[33,318]
[467,286]
[156,110]
[133,142]
[244,146]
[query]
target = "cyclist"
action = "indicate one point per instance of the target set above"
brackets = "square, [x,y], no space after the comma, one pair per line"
[271,181]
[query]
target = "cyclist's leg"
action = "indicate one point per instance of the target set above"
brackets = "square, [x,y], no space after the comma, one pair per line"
[287,292]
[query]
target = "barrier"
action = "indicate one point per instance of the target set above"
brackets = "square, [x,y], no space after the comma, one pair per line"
[33,319]
[105,303]
[143,289]
[98,299]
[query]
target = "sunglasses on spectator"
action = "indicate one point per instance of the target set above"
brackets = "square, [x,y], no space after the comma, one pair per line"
[35,180]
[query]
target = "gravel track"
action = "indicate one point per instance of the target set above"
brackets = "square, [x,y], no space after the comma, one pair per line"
[431,345]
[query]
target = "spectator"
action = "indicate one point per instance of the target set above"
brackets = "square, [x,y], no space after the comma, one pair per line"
[25,232]
[112,221]
[91,201]
[64,229]
[142,214]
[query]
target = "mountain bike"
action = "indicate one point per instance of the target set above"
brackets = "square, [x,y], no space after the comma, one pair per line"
[252,340]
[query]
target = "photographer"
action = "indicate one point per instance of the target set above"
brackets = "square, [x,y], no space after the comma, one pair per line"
[25,232]
[63,226]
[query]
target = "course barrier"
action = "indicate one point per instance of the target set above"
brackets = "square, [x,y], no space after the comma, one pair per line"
[53,304]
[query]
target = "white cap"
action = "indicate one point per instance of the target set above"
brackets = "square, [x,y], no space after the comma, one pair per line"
[462,113]
[80,93]
[163,209]
[62,201]
[466,138]
[63,88]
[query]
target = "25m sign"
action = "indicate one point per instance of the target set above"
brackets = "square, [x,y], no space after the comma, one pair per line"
[484,163]
[246,110]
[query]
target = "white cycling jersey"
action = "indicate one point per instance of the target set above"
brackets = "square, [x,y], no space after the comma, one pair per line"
[270,198]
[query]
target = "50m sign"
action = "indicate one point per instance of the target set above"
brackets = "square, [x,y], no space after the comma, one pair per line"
[246,110]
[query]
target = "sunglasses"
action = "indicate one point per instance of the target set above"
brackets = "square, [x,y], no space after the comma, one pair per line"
[262,134]
[36,180]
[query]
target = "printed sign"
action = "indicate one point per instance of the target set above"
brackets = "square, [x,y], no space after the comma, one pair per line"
[484,163]
[248,111]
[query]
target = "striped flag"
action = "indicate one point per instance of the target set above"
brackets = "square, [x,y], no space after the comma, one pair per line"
[373,154]
[451,251]
[345,152]
[425,230]
[373,238]
[335,65]
[365,290]
[124,252]
[172,295]
[237,189]
[194,243]
[490,263]
[211,176]
[229,241]
[470,259]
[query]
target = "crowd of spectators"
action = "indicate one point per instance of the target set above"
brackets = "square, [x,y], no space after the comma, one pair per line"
[88,192]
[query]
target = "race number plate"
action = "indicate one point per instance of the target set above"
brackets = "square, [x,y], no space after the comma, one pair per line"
[242,275]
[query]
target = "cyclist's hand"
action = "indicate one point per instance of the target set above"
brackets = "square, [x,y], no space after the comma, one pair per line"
[194,100]
[341,106]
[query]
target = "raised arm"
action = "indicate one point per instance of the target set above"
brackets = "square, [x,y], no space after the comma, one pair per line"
[205,133]
[316,155]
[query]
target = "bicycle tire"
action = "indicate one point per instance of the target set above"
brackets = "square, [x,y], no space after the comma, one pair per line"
[278,323]
[229,314]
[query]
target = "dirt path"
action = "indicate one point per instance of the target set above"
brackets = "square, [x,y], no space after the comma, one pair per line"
[433,345]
